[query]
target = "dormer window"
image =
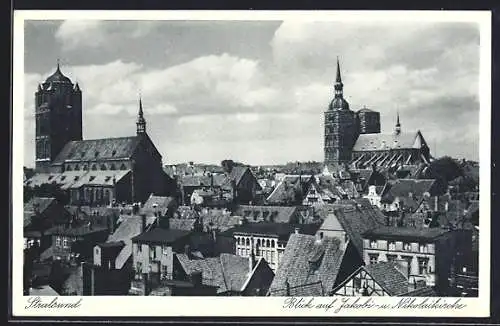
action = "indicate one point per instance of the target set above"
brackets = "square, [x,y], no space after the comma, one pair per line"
[96,154]
[113,153]
[92,178]
[107,179]
[373,244]
[82,154]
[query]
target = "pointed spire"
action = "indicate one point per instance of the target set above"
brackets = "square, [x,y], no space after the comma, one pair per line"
[141,122]
[338,79]
[338,82]
[39,87]
[141,112]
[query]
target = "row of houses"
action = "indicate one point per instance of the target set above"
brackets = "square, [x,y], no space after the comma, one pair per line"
[165,249]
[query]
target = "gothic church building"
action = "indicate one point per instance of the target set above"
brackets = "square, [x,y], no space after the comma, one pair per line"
[354,138]
[95,171]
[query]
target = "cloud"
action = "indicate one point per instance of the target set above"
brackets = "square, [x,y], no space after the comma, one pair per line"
[427,72]
[81,34]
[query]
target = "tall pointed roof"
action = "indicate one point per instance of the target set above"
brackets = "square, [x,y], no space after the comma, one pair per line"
[338,79]
[141,122]
[338,102]
[58,76]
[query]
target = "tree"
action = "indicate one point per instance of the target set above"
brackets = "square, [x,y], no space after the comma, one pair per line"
[443,170]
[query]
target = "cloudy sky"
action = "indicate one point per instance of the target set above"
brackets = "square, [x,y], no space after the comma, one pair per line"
[255,91]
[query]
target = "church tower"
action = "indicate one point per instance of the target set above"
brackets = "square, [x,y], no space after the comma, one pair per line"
[58,114]
[341,127]
[141,122]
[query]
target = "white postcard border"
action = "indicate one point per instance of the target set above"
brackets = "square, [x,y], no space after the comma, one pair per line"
[246,306]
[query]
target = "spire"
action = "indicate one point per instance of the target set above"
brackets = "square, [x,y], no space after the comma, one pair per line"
[58,67]
[141,122]
[338,82]
[397,130]
[338,79]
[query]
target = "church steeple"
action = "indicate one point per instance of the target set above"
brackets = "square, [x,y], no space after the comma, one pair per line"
[141,122]
[397,130]
[338,82]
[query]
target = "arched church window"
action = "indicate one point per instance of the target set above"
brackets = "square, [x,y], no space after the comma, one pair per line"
[103,167]
[68,167]
[77,167]
[85,167]
[123,167]
[112,167]
[94,167]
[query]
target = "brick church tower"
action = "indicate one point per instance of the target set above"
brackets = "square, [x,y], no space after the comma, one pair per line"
[58,112]
[341,127]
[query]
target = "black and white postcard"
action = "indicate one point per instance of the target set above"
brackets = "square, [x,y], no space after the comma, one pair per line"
[239,163]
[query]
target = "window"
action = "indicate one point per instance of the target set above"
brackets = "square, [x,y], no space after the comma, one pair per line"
[391,258]
[94,167]
[373,258]
[152,252]
[139,248]
[392,245]
[138,270]
[273,243]
[77,167]
[65,243]
[321,235]
[422,247]
[406,246]
[165,250]
[112,167]
[423,265]
[356,282]
[97,251]
[373,244]
[103,166]
[247,242]
[164,272]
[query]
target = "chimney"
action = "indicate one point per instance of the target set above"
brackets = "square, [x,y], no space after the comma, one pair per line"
[297,230]
[143,222]
[196,278]
[435,203]
[319,236]
[402,266]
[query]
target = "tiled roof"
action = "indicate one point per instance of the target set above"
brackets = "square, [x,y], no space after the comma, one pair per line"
[403,188]
[182,224]
[279,214]
[388,277]
[42,203]
[218,221]
[358,219]
[128,228]
[160,235]
[280,230]
[228,272]
[405,233]
[36,202]
[44,290]
[162,204]
[216,180]
[98,149]
[76,231]
[76,179]
[425,291]
[286,188]
[99,178]
[378,142]
[307,261]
